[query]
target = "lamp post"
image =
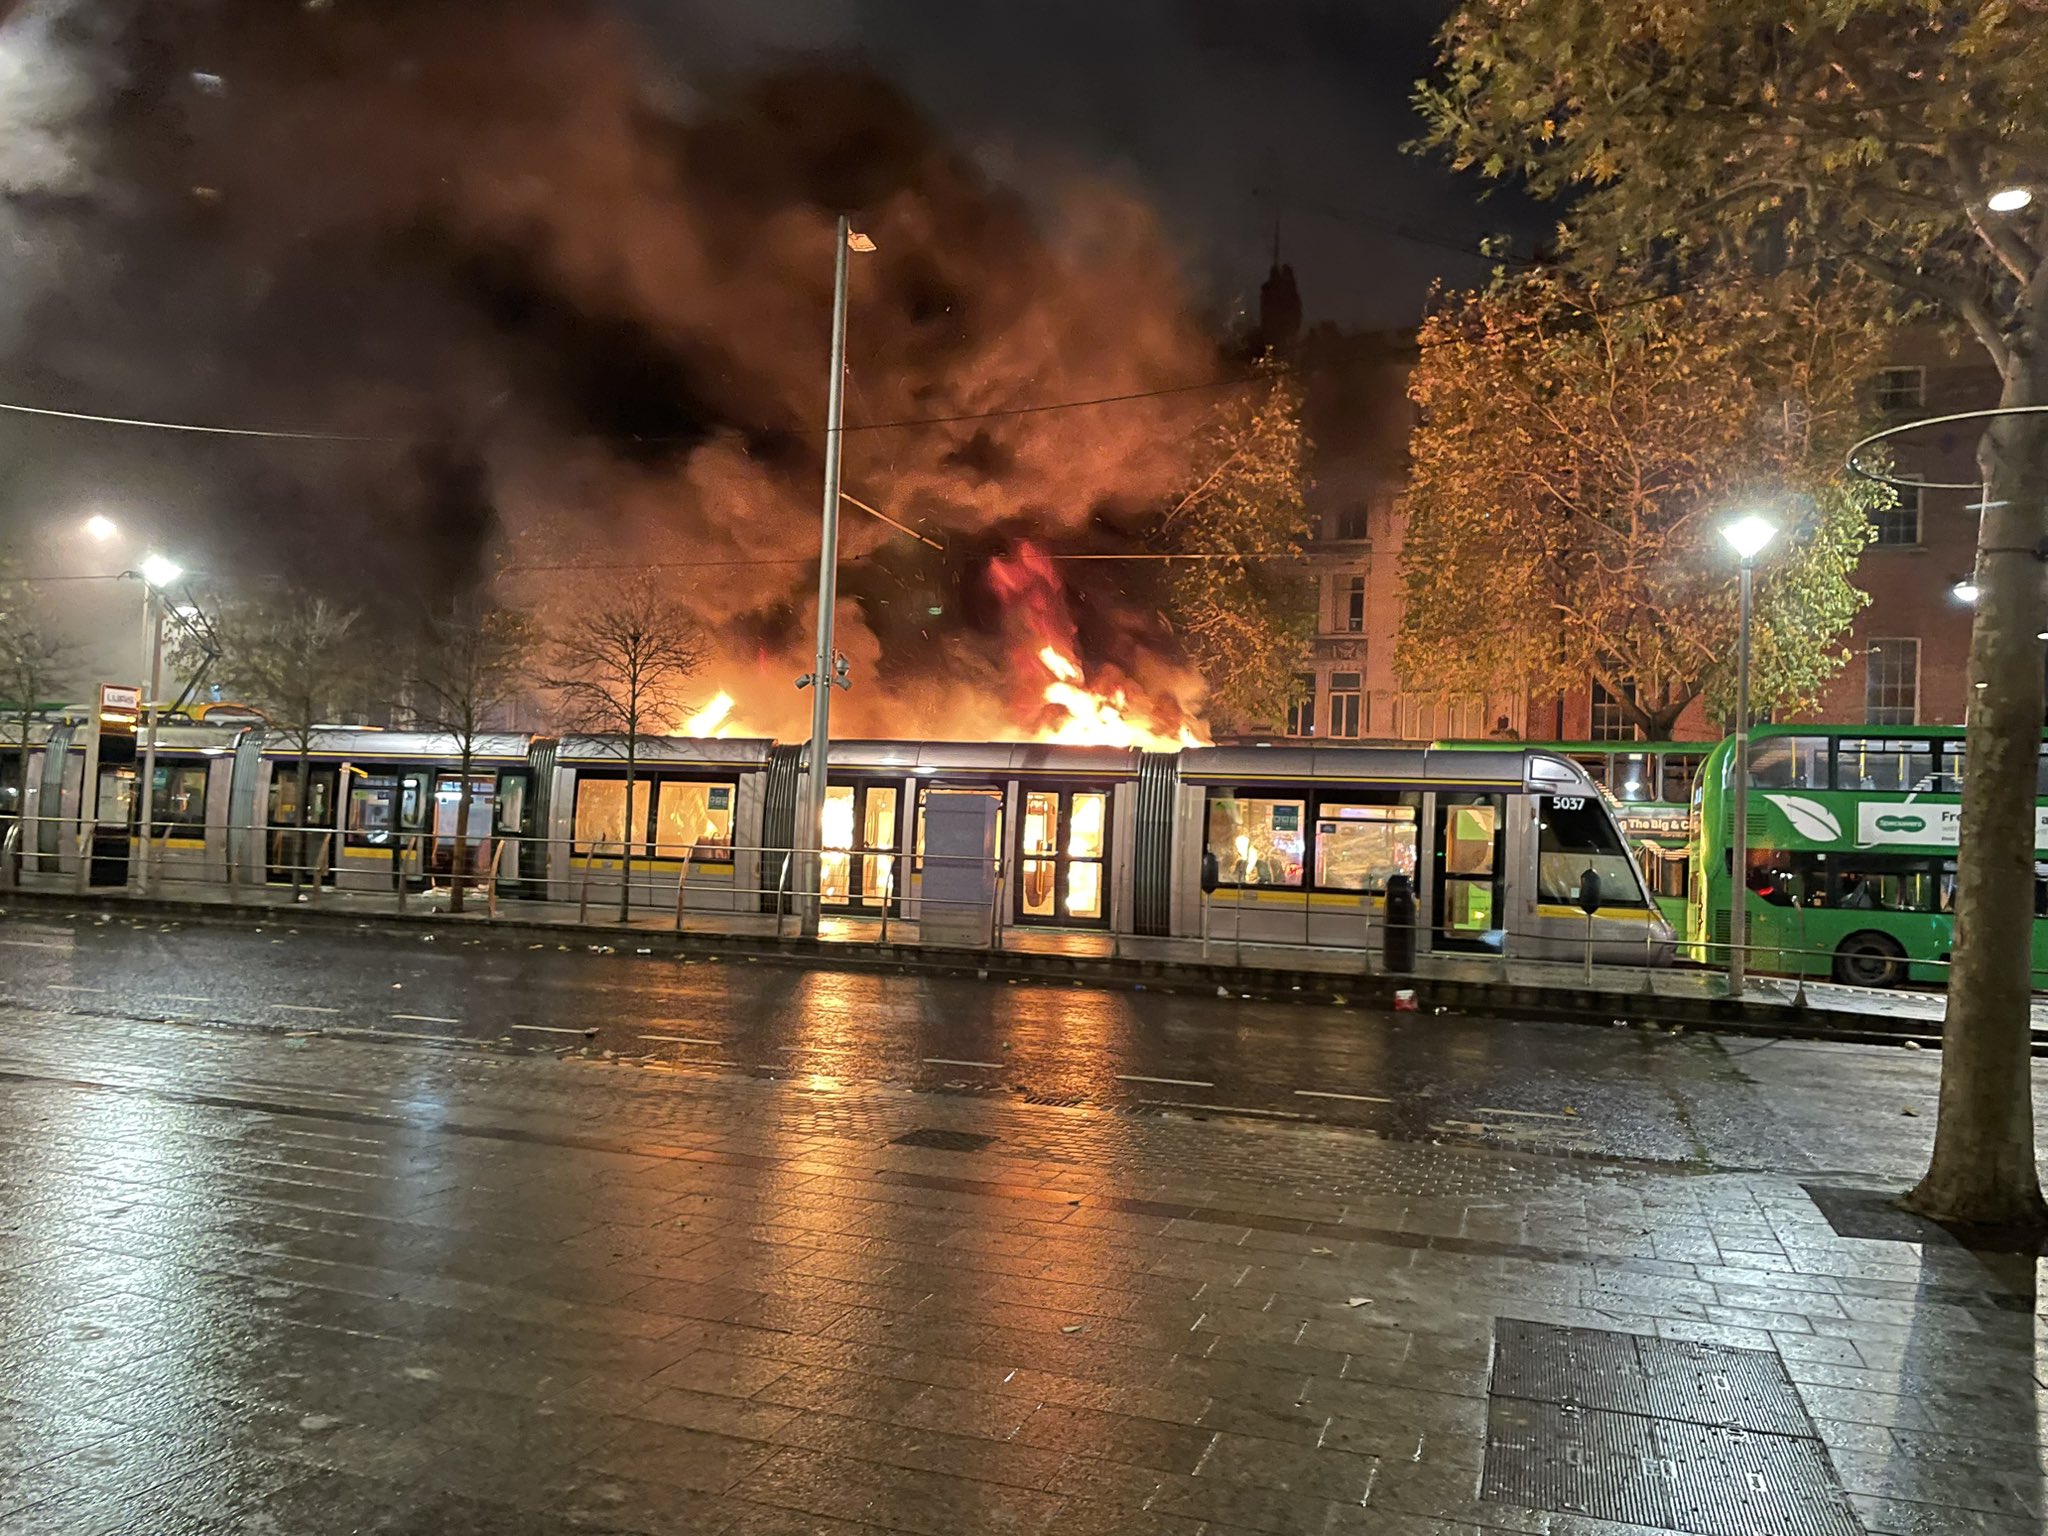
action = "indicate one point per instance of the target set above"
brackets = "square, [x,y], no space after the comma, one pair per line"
[1747,536]
[824,676]
[156,573]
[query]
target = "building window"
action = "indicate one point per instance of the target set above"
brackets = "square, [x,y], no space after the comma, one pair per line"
[1345,702]
[1352,620]
[1899,525]
[1901,390]
[1301,705]
[1350,522]
[1891,683]
[1417,717]
[1610,722]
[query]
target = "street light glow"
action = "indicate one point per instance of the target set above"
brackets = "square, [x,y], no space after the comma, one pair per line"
[1964,591]
[159,571]
[1747,536]
[100,528]
[2008,200]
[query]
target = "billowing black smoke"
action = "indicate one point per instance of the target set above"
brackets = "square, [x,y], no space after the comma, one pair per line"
[586,325]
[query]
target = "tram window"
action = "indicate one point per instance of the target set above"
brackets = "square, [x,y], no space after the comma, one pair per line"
[511,803]
[178,800]
[1575,835]
[372,811]
[412,802]
[1678,771]
[1868,762]
[1633,777]
[1359,846]
[601,815]
[694,818]
[10,786]
[1789,762]
[1257,841]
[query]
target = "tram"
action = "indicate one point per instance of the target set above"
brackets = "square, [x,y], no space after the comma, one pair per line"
[1301,840]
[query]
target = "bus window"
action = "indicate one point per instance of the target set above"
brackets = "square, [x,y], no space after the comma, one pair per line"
[1789,762]
[1575,835]
[1633,777]
[1595,764]
[1678,770]
[1948,777]
[1870,762]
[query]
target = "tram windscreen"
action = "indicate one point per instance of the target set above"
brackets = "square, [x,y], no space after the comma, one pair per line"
[1575,834]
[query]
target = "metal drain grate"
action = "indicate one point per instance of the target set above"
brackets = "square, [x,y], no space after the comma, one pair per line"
[942,1141]
[1654,1432]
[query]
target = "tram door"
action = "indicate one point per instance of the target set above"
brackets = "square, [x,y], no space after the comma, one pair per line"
[287,845]
[1467,867]
[858,869]
[1062,857]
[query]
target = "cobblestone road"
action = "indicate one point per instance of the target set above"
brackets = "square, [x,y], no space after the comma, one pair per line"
[262,1284]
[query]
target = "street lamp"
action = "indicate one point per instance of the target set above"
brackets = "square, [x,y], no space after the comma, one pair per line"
[2008,200]
[100,528]
[826,676]
[157,572]
[1966,590]
[1747,536]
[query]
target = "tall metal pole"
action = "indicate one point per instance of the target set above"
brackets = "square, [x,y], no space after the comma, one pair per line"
[810,835]
[1738,904]
[153,667]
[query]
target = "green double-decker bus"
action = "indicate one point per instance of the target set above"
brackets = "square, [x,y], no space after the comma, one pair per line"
[1852,853]
[1649,785]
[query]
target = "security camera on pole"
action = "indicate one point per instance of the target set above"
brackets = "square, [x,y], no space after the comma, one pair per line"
[830,669]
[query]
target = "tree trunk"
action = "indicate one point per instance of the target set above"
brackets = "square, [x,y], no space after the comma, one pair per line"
[1983,1168]
[458,868]
[626,862]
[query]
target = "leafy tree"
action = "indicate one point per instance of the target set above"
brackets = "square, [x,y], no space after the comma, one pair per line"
[1827,136]
[1242,602]
[1580,447]
[35,662]
[294,657]
[618,670]
[473,665]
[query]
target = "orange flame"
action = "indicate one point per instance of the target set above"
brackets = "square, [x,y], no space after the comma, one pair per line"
[1098,719]
[714,719]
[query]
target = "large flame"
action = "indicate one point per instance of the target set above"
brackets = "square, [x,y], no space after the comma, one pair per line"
[714,719]
[1100,719]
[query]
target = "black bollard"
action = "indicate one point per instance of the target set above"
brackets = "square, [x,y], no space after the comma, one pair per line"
[1397,940]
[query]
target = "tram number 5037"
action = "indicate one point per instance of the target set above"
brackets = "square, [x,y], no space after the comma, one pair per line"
[1569,802]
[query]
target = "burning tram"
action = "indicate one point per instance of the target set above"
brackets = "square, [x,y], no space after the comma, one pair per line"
[1301,840]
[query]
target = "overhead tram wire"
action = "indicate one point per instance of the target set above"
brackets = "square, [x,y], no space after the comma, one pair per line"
[996,413]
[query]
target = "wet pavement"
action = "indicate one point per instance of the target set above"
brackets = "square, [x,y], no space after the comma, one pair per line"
[477,1277]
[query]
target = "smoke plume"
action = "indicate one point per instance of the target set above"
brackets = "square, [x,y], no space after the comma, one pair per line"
[585,318]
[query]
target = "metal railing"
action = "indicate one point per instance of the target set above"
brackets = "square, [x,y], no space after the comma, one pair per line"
[714,886]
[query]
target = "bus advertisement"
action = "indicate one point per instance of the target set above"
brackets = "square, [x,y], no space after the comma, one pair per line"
[1852,853]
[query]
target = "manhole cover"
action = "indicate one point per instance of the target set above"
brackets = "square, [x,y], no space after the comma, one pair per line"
[943,1141]
[1873,1214]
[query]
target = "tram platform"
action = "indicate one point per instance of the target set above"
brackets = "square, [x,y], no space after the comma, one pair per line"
[1603,994]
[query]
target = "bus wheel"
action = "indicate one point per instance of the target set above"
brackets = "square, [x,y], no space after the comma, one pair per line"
[1870,960]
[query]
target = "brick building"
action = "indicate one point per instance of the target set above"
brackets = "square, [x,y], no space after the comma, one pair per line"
[1909,647]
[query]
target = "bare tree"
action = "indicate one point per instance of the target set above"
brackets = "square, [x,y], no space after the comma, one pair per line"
[619,670]
[35,661]
[294,657]
[475,662]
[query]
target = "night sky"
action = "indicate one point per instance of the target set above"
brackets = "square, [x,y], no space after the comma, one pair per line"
[1223,113]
